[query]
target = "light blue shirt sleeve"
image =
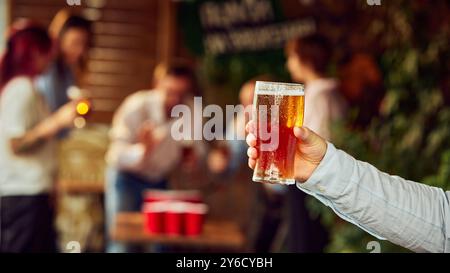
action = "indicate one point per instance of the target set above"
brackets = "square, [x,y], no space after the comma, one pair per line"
[410,214]
[53,84]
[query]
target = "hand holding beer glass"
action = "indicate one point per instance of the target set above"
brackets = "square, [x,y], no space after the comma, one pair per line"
[278,108]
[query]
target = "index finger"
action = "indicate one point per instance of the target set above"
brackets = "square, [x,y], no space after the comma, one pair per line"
[251,127]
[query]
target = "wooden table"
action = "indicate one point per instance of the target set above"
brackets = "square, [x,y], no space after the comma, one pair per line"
[220,235]
[80,187]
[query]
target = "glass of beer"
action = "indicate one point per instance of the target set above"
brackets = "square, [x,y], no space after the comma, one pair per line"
[277,109]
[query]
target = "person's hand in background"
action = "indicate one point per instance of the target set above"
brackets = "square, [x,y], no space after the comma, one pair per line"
[218,161]
[62,119]
[65,115]
[311,149]
[149,136]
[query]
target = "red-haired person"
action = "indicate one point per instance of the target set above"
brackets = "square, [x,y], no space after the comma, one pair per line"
[27,133]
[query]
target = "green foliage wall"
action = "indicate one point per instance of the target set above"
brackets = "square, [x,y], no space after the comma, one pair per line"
[411,137]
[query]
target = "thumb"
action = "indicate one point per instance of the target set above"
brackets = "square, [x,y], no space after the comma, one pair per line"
[307,136]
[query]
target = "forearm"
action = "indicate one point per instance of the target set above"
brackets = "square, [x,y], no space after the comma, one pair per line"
[409,214]
[32,139]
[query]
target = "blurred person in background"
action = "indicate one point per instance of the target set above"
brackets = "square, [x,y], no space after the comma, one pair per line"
[227,159]
[308,59]
[27,151]
[143,153]
[228,162]
[72,34]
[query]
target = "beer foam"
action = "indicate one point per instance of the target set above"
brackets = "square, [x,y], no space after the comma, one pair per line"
[279,88]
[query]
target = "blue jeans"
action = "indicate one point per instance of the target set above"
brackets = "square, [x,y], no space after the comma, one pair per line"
[124,194]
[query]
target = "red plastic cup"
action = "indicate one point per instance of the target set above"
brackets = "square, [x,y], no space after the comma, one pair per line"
[158,196]
[174,218]
[194,219]
[154,215]
[190,196]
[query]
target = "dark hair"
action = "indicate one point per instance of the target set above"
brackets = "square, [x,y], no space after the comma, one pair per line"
[314,50]
[75,22]
[25,39]
[178,69]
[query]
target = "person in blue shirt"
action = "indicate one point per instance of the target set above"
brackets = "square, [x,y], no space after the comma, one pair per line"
[72,44]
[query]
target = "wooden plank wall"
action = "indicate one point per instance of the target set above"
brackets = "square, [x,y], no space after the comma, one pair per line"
[130,38]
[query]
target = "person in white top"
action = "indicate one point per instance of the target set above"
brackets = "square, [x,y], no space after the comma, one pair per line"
[308,59]
[143,153]
[27,154]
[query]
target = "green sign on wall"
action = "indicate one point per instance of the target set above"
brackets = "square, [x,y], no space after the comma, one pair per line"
[239,39]
[221,27]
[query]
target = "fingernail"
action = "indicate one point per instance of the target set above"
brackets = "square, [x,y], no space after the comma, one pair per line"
[300,133]
[297,132]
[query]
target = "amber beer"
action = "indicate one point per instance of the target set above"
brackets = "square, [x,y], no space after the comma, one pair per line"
[278,108]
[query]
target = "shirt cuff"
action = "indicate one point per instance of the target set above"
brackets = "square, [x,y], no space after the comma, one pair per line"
[325,180]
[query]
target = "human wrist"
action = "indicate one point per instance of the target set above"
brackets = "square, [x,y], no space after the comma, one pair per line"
[322,168]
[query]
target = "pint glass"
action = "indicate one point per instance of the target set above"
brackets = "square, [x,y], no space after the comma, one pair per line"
[277,109]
